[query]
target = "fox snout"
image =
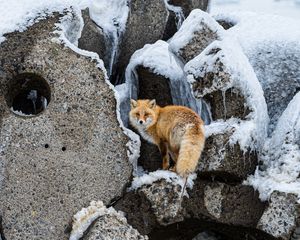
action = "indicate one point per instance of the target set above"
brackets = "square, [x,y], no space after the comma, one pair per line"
[141,121]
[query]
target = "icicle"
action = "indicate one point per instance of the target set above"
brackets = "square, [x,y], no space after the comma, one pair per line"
[224,103]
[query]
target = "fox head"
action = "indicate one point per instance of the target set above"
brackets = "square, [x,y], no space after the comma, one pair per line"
[142,113]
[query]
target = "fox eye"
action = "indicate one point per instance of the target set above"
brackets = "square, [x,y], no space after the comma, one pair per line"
[137,114]
[146,114]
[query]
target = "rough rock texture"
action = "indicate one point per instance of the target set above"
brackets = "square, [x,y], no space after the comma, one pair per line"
[93,39]
[236,205]
[222,203]
[280,217]
[274,55]
[112,227]
[226,162]
[53,163]
[167,209]
[145,24]
[188,5]
[202,30]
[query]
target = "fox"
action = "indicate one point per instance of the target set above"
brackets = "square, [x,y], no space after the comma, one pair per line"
[177,131]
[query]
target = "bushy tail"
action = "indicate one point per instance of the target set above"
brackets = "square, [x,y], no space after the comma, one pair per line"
[190,151]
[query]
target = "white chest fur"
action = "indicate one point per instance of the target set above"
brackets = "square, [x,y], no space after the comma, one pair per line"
[145,135]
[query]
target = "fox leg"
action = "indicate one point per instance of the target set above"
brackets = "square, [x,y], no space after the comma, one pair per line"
[164,152]
[190,151]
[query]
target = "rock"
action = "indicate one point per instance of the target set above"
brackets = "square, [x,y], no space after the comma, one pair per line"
[60,158]
[145,24]
[274,55]
[102,229]
[280,217]
[195,34]
[234,205]
[216,202]
[94,39]
[189,5]
[165,200]
[224,82]
[225,162]
[96,222]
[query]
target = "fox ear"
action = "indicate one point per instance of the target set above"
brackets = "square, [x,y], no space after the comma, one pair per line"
[133,103]
[152,103]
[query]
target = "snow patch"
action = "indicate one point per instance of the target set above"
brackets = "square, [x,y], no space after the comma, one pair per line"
[170,177]
[252,132]
[281,156]
[178,13]
[86,216]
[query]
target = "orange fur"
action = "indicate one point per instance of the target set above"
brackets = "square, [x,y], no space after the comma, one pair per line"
[176,130]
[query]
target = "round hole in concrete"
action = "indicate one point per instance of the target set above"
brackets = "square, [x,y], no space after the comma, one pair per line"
[63,149]
[29,94]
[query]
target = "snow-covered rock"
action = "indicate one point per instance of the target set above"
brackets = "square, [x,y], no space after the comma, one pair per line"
[281,156]
[145,24]
[56,161]
[195,34]
[97,221]
[272,46]
[94,39]
[224,78]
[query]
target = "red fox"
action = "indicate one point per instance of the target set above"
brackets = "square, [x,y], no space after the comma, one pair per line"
[176,130]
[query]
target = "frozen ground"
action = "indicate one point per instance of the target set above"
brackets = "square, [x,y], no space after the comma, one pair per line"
[287,8]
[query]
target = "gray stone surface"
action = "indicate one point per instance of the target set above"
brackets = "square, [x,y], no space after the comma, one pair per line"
[145,24]
[226,162]
[56,162]
[205,31]
[165,200]
[210,201]
[112,227]
[280,217]
[93,39]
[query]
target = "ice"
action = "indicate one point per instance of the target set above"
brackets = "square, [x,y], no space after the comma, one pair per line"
[178,13]
[161,61]
[111,16]
[252,132]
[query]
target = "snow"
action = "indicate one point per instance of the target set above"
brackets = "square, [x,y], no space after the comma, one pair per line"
[86,216]
[194,23]
[161,61]
[286,8]
[170,177]
[17,15]
[281,156]
[272,46]
[177,11]
[252,132]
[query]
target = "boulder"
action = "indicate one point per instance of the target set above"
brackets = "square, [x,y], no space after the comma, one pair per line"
[222,76]
[207,201]
[97,221]
[61,142]
[273,54]
[94,39]
[280,217]
[145,24]
[195,34]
